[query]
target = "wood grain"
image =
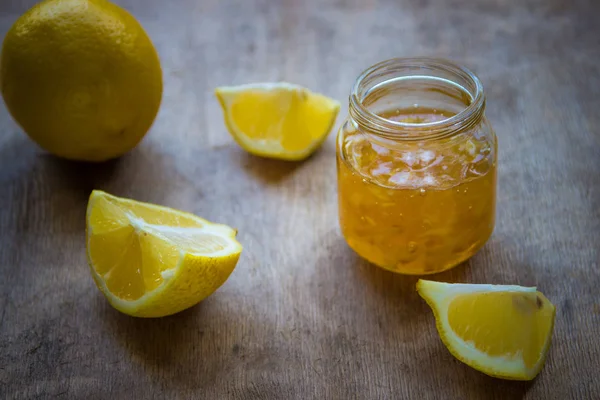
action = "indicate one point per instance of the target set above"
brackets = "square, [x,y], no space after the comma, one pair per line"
[302,317]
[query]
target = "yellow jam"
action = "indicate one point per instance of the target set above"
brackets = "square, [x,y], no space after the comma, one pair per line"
[416,207]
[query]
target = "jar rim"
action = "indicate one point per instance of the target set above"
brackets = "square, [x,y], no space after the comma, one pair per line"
[398,130]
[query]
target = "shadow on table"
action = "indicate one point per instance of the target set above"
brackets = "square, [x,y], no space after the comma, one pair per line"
[382,289]
[438,366]
[44,192]
[494,263]
[270,171]
[166,348]
[23,161]
[195,348]
[159,342]
[393,284]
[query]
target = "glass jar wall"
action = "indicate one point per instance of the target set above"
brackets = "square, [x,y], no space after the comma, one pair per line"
[416,162]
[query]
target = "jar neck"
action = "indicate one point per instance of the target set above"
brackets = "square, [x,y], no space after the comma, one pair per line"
[435,78]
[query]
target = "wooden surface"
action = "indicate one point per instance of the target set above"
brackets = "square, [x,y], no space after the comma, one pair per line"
[302,317]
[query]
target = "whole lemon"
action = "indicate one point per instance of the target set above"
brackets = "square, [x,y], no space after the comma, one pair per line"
[81,78]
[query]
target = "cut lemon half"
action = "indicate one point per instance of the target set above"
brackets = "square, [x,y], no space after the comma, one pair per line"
[501,330]
[151,261]
[277,120]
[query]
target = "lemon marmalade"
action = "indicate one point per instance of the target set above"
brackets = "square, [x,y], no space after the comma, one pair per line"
[417,166]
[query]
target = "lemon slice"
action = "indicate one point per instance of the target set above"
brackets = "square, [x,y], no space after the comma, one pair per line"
[501,330]
[277,120]
[152,261]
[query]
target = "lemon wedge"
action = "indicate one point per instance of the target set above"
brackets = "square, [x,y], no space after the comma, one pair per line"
[152,261]
[501,330]
[277,120]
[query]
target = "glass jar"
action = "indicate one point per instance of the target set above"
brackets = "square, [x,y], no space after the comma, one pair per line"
[416,164]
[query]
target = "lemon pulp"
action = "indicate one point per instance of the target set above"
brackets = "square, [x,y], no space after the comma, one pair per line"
[277,120]
[501,330]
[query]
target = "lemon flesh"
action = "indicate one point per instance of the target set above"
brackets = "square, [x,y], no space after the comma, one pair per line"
[81,77]
[152,261]
[501,330]
[277,120]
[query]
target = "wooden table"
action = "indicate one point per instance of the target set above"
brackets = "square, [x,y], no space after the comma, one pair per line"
[302,317]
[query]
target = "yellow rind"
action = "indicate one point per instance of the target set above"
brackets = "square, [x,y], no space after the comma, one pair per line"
[81,78]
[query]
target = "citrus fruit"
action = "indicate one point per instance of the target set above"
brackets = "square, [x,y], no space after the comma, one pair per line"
[277,120]
[150,260]
[501,330]
[81,78]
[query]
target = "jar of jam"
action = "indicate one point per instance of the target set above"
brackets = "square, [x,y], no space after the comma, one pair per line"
[416,165]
